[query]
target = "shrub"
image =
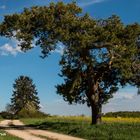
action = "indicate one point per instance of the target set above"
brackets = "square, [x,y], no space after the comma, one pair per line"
[31,114]
[125,114]
[7,115]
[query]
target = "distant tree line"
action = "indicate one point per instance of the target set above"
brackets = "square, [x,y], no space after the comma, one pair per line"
[124,114]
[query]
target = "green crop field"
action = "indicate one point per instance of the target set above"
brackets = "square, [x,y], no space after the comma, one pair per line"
[111,129]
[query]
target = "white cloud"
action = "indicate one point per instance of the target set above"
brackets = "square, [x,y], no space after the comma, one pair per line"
[59,49]
[88,3]
[123,105]
[121,95]
[8,49]
[13,48]
[123,101]
[3,7]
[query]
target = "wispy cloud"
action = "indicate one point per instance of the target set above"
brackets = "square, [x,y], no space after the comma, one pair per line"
[8,49]
[124,96]
[123,101]
[3,7]
[59,49]
[11,48]
[89,2]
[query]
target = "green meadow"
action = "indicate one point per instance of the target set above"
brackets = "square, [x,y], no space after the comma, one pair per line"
[111,129]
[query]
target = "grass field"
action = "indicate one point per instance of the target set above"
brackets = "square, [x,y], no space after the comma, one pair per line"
[111,129]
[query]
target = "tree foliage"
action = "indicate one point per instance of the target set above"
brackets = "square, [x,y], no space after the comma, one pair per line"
[46,26]
[24,95]
[99,55]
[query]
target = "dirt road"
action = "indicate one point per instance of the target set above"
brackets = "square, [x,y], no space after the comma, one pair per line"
[17,128]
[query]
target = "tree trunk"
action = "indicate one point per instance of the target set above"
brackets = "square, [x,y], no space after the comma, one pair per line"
[96,114]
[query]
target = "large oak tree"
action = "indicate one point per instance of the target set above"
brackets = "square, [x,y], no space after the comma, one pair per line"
[99,56]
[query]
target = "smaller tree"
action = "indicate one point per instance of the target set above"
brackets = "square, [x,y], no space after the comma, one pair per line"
[24,95]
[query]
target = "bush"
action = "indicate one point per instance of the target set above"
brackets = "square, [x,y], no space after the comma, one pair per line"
[7,115]
[31,114]
[125,114]
[23,114]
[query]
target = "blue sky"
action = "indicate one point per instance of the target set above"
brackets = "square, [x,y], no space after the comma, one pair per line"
[44,72]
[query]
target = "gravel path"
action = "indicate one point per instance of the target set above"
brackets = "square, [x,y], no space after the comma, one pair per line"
[7,124]
[25,133]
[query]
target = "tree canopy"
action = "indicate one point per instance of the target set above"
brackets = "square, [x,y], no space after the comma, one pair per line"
[99,55]
[46,26]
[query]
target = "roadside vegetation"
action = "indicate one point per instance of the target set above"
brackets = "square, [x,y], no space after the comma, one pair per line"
[79,126]
[6,136]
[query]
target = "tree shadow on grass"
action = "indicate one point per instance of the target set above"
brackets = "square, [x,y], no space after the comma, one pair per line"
[51,125]
[41,126]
